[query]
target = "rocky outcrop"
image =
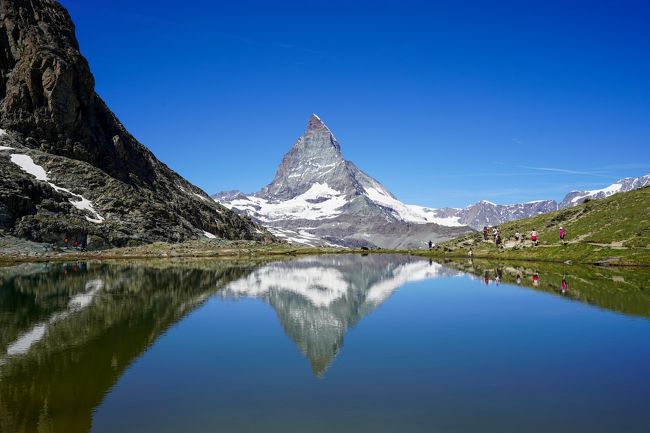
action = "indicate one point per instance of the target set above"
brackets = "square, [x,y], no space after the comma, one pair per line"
[103,187]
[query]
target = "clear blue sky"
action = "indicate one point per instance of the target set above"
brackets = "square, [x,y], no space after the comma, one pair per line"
[445,102]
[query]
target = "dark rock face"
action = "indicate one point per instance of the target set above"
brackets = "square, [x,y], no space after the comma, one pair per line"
[51,113]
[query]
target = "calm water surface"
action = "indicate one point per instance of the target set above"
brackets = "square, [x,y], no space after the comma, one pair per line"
[324,344]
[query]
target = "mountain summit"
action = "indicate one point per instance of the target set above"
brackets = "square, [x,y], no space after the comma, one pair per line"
[68,168]
[317,197]
[315,158]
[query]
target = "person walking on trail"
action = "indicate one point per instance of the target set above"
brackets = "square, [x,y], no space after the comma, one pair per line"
[485,233]
[562,233]
[497,240]
[533,237]
[430,244]
[564,285]
[495,233]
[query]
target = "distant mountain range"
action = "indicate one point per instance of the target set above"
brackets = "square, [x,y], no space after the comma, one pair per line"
[319,198]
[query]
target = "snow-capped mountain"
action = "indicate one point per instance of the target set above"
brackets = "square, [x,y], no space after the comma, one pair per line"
[317,197]
[574,198]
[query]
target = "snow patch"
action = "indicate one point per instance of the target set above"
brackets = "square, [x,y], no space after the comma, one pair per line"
[317,203]
[201,197]
[209,235]
[610,190]
[27,164]
[408,213]
[5,148]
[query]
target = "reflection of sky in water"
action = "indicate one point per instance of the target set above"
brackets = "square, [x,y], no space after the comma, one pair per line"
[392,343]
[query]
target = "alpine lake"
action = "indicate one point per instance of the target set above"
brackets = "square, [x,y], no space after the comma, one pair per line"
[345,343]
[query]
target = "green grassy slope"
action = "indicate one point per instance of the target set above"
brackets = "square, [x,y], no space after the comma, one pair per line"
[613,230]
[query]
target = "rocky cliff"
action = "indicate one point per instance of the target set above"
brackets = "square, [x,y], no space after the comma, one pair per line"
[68,168]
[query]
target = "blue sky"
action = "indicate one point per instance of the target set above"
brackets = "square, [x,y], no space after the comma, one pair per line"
[445,103]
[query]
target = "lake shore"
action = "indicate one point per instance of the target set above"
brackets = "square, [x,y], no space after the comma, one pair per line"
[578,253]
[25,251]
[585,254]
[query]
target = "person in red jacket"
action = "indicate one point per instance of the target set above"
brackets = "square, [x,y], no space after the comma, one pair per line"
[562,233]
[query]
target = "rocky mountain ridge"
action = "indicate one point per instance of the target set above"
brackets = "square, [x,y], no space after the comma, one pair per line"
[68,168]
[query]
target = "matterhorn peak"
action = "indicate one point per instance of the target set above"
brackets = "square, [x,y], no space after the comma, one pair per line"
[315,122]
[318,136]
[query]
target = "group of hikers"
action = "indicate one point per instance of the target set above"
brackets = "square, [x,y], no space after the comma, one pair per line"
[496,237]
[534,236]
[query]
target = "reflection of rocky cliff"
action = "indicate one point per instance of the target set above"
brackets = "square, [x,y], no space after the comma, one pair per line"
[318,299]
[68,333]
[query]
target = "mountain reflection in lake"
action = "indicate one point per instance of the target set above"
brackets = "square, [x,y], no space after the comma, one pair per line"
[318,298]
[193,346]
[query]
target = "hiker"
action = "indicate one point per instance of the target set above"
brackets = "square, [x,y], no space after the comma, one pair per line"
[430,244]
[564,285]
[562,233]
[470,253]
[536,279]
[518,279]
[533,237]
[497,240]
[485,233]
[518,237]
[495,233]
